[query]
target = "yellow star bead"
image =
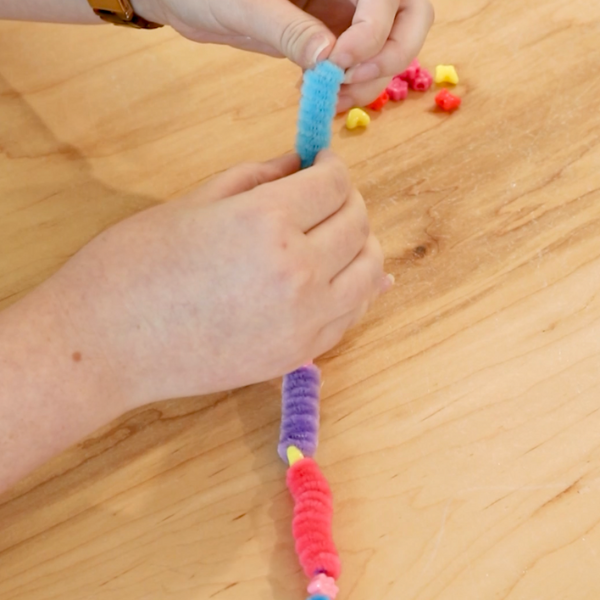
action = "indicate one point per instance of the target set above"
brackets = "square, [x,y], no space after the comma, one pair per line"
[357,118]
[293,455]
[446,74]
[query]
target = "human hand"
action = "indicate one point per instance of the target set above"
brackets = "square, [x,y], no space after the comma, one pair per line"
[372,39]
[248,277]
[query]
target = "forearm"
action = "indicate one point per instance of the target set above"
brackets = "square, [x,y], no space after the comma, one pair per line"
[63,11]
[54,386]
[58,11]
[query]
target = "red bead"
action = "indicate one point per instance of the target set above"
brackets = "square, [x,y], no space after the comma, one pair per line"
[380,102]
[447,101]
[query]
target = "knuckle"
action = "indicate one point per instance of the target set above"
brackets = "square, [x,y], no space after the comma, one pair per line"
[250,216]
[360,313]
[296,280]
[295,31]
[248,172]
[274,232]
[375,38]
[334,336]
[363,222]
[339,178]
[359,293]
[246,167]
[268,226]
[377,250]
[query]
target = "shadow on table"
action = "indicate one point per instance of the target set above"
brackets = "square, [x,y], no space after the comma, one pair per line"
[50,202]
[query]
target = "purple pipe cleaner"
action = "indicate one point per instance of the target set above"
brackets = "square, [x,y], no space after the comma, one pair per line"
[300,411]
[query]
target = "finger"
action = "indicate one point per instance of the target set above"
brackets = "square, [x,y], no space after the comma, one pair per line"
[339,239]
[314,194]
[360,94]
[405,41]
[293,32]
[362,280]
[364,39]
[247,176]
[242,42]
[332,333]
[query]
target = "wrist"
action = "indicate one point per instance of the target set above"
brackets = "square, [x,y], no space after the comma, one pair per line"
[56,387]
[49,349]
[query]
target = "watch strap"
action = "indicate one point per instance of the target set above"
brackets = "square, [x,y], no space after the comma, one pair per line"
[120,12]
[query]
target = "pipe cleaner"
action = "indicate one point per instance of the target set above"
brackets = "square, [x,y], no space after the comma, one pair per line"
[300,412]
[320,89]
[313,506]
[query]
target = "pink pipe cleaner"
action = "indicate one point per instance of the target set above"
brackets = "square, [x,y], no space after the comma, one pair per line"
[313,512]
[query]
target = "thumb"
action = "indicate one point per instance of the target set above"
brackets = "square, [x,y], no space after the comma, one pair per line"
[247,176]
[297,35]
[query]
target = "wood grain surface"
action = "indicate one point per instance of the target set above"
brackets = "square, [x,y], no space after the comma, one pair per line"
[461,419]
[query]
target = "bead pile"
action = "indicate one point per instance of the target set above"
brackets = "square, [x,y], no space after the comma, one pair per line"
[416,78]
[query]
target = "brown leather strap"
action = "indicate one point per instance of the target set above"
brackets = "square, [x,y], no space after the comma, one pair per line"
[135,20]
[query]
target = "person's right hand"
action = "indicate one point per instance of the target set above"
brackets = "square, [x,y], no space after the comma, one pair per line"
[372,40]
[257,272]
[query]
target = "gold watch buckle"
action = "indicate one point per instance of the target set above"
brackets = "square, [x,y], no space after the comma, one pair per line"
[120,12]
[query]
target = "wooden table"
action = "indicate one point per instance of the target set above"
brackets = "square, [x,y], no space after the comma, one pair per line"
[461,420]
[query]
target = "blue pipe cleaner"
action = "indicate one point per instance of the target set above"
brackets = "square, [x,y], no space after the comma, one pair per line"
[320,90]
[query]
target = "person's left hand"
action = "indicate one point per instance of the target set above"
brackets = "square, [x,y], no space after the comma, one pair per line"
[372,39]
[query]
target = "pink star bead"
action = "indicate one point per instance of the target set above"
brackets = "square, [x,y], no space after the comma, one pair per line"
[397,89]
[322,584]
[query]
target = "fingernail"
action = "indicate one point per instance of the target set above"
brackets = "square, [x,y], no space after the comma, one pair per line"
[362,73]
[316,48]
[387,282]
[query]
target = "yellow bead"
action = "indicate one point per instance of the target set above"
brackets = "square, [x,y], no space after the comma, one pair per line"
[357,118]
[446,74]
[294,455]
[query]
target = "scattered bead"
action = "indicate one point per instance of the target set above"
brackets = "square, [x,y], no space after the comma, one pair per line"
[422,82]
[447,101]
[397,89]
[380,102]
[411,72]
[418,78]
[294,455]
[357,118]
[323,584]
[446,74]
